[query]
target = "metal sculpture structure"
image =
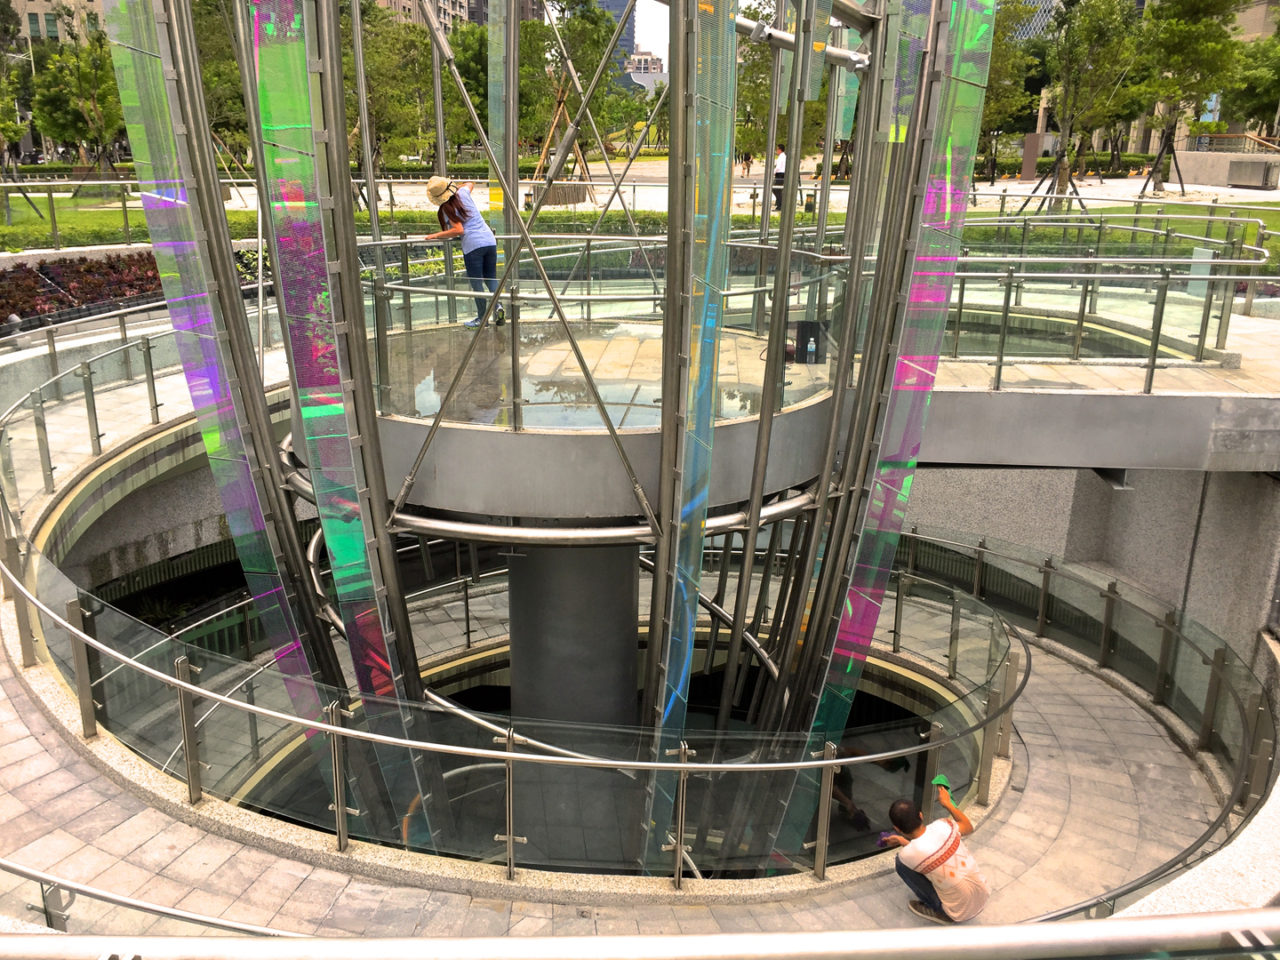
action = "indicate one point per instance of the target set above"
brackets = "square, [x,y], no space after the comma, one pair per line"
[913,76]
[211,331]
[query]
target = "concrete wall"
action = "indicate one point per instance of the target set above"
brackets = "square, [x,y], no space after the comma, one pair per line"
[1143,536]
[1211,169]
[176,514]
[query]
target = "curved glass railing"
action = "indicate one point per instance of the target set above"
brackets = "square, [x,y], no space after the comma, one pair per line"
[964,643]
[241,710]
[1134,299]
[1182,667]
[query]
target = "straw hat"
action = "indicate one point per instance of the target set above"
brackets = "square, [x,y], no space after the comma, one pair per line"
[440,189]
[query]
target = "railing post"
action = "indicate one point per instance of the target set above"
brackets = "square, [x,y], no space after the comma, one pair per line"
[1228,302]
[1251,285]
[990,735]
[53,219]
[51,351]
[955,341]
[1157,322]
[406,305]
[80,670]
[187,718]
[1165,662]
[255,749]
[1042,608]
[1095,282]
[1254,713]
[1206,310]
[1004,744]
[1211,698]
[930,768]
[911,550]
[903,579]
[91,409]
[823,839]
[11,478]
[683,753]
[148,368]
[42,441]
[126,356]
[13,563]
[56,910]
[1260,765]
[1109,598]
[978,564]
[510,838]
[1081,311]
[124,212]
[1004,326]
[466,610]
[953,644]
[334,715]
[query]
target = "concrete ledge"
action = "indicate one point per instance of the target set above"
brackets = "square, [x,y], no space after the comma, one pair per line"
[1088,428]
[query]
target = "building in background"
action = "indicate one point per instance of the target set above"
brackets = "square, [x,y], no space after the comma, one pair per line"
[642,61]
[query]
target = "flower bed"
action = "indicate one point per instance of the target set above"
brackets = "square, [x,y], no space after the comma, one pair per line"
[54,287]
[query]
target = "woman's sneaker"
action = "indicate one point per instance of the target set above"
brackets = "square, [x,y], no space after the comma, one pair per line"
[500,316]
[472,324]
[922,909]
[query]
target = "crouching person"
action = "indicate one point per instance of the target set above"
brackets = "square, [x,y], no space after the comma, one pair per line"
[935,863]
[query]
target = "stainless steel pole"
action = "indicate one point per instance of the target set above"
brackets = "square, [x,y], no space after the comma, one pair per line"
[382,374]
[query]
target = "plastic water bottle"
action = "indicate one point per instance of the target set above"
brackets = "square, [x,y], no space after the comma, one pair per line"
[811,352]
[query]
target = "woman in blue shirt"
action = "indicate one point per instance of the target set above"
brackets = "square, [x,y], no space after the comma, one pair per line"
[459,217]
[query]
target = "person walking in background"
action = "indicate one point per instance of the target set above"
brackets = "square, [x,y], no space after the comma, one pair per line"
[459,217]
[935,863]
[746,165]
[779,173]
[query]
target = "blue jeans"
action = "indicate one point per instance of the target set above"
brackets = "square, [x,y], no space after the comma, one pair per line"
[482,271]
[920,885]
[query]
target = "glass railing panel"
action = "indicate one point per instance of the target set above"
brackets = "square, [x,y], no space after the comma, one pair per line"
[976,649]
[123,695]
[1075,614]
[1135,644]
[811,299]
[54,590]
[1189,684]
[1230,716]
[863,791]
[150,724]
[22,439]
[239,747]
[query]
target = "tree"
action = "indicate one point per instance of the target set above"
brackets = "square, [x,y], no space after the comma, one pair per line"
[76,100]
[1253,96]
[220,74]
[11,129]
[662,119]
[392,105]
[1092,51]
[755,75]
[10,27]
[1193,56]
[1008,99]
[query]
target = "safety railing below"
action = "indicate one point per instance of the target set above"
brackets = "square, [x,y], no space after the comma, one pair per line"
[1183,668]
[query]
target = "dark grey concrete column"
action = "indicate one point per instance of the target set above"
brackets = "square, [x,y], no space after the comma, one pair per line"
[574,633]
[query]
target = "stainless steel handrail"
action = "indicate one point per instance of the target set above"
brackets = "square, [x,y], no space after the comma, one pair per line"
[1206,934]
[173,913]
[504,755]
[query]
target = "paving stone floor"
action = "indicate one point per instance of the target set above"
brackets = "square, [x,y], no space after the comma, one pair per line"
[1098,796]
